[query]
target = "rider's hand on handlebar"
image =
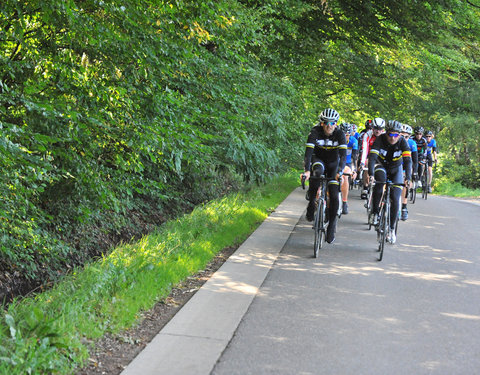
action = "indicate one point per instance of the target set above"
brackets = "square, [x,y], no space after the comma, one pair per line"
[307,175]
[371,179]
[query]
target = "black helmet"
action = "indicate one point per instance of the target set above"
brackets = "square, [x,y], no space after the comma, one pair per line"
[378,123]
[329,114]
[368,124]
[428,133]
[346,128]
[394,126]
[419,129]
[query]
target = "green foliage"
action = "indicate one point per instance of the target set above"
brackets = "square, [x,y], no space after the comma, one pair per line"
[53,331]
[114,107]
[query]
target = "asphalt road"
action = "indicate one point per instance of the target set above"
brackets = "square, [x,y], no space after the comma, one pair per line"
[416,312]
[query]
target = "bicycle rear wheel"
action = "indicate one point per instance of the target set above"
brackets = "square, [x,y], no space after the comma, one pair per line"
[318,227]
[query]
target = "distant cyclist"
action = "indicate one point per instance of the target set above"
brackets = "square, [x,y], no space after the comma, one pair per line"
[355,134]
[431,156]
[388,156]
[406,133]
[421,151]
[378,128]
[325,154]
[350,166]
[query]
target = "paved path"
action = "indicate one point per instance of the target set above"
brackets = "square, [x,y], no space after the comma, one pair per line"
[416,312]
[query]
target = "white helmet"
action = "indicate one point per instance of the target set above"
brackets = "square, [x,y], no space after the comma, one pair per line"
[329,114]
[378,123]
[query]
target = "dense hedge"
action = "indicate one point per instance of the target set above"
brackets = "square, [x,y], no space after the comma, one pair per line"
[117,113]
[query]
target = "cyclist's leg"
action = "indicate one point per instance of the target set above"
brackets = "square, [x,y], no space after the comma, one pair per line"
[430,172]
[380,180]
[317,171]
[404,215]
[345,189]
[420,171]
[365,182]
[396,177]
[333,188]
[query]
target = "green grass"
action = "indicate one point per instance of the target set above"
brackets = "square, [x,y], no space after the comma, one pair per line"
[52,332]
[444,186]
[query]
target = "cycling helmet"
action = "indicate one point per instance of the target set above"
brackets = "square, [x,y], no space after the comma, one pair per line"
[406,129]
[368,124]
[419,129]
[329,114]
[428,133]
[394,126]
[378,123]
[346,128]
[354,128]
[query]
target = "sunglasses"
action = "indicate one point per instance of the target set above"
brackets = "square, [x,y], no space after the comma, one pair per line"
[394,135]
[330,123]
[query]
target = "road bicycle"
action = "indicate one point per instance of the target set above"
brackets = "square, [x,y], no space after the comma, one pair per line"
[320,221]
[368,203]
[384,219]
[412,192]
[424,181]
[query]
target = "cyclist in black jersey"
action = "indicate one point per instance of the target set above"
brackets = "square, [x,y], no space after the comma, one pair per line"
[325,154]
[421,150]
[389,155]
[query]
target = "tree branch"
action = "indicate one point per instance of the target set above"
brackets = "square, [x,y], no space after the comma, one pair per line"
[473,5]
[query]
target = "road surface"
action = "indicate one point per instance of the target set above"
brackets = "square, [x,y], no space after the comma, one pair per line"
[416,312]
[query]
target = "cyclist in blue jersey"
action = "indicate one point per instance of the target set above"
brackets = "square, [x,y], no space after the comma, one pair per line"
[431,156]
[388,157]
[406,133]
[325,154]
[350,164]
[421,152]
[355,134]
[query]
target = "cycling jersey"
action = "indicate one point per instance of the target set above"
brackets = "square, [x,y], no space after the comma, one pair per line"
[391,156]
[421,147]
[352,150]
[413,149]
[367,142]
[431,146]
[329,149]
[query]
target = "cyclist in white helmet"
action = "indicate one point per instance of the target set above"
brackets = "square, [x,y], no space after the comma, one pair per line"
[325,156]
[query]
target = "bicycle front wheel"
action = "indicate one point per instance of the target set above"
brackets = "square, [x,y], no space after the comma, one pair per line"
[318,227]
[413,193]
[382,230]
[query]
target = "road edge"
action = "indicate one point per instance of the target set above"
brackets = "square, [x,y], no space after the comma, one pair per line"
[197,335]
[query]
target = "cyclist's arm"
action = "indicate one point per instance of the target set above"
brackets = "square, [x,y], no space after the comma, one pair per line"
[342,152]
[354,158]
[372,160]
[415,162]
[407,159]
[310,145]
[365,149]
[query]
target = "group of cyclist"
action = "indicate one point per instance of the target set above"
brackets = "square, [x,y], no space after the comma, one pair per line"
[380,152]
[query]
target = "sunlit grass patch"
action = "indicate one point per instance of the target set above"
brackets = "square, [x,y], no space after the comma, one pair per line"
[443,186]
[53,331]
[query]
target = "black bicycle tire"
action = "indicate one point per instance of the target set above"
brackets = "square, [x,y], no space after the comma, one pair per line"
[383,227]
[413,192]
[318,228]
[424,186]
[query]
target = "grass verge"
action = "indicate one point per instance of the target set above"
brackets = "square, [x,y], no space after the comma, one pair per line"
[52,332]
[443,186]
